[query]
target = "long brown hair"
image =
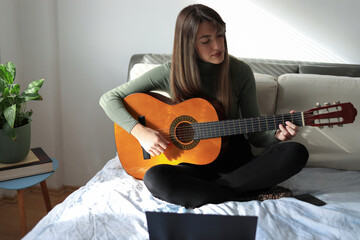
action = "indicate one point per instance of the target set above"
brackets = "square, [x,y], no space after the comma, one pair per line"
[185,76]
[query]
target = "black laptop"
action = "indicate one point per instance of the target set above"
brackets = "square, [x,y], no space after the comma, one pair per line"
[188,226]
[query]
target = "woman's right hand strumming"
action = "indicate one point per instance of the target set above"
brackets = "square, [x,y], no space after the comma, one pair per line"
[152,141]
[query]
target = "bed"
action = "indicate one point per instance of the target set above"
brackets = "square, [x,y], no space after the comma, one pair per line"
[112,204]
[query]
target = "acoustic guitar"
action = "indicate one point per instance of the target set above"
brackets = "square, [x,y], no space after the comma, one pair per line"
[195,129]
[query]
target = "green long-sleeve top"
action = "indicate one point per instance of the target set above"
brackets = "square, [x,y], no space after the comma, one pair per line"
[242,83]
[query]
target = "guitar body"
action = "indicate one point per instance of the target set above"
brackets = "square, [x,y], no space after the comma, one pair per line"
[168,120]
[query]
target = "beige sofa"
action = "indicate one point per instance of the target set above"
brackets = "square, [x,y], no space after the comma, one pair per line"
[288,85]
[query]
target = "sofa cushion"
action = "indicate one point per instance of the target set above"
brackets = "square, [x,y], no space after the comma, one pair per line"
[273,69]
[340,70]
[266,88]
[337,147]
[140,68]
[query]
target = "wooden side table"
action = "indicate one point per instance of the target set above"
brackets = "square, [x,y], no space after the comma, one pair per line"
[20,184]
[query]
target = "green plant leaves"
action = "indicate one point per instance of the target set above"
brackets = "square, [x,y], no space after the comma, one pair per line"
[2,85]
[10,66]
[8,72]
[6,92]
[10,114]
[15,89]
[31,92]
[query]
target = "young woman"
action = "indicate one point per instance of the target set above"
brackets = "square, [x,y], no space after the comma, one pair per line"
[201,66]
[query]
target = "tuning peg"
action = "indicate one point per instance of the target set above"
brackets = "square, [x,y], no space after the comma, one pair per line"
[330,126]
[337,102]
[320,127]
[318,105]
[327,104]
[340,125]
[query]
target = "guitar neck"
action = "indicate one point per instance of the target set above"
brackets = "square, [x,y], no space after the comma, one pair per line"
[216,129]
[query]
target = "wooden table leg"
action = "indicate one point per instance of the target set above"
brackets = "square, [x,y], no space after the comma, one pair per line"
[20,194]
[46,195]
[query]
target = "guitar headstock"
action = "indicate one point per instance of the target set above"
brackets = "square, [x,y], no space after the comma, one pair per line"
[330,115]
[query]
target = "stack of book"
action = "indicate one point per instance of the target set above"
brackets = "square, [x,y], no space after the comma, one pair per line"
[37,162]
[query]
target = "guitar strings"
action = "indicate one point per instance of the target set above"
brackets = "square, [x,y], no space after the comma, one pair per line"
[246,122]
[236,124]
[232,123]
[237,121]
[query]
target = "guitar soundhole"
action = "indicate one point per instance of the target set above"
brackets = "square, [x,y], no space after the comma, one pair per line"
[182,133]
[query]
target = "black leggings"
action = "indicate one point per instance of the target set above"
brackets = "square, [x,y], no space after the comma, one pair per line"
[193,185]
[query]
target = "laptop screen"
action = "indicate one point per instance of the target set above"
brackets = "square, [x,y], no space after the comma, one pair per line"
[188,226]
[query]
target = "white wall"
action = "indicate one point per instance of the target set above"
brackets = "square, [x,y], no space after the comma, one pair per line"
[82,48]
[331,23]
[308,30]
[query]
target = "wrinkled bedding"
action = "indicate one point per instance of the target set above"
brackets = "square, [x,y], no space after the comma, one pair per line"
[112,205]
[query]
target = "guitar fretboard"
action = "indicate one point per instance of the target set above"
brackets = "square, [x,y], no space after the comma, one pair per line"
[247,125]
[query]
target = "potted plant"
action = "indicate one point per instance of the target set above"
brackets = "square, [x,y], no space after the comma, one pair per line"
[14,118]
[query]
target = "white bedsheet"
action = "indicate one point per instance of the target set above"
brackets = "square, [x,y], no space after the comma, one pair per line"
[112,205]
